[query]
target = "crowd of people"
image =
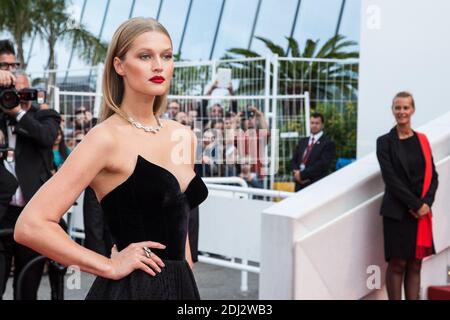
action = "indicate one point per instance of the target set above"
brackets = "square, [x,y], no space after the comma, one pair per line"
[232,142]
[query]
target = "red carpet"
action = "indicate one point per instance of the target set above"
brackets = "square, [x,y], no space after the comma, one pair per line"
[439,293]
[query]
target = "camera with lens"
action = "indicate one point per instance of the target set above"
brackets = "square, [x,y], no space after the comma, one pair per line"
[11,98]
[249,114]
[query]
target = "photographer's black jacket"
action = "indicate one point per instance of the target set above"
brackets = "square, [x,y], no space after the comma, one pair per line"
[36,133]
[8,186]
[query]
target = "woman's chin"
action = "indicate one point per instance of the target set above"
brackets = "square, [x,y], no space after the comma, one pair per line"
[155,91]
[158,90]
[402,120]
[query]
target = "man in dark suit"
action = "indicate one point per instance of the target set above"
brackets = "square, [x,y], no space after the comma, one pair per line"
[30,134]
[8,185]
[313,155]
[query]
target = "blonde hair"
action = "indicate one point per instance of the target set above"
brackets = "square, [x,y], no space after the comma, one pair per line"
[404,94]
[113,86]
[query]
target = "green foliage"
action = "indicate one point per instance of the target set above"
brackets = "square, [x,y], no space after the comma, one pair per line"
[50,21]
[341,128]
[15,19]
[296,77]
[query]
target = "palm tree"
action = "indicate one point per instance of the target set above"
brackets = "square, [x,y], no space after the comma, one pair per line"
[16,20]
[50,20]
[295,76]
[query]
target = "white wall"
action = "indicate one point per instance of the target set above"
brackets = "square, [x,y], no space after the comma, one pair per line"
[404,46]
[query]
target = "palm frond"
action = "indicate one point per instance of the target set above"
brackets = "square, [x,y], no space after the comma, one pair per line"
[293,44]
[276,49]
[310,48]
[328,46]
[243,52]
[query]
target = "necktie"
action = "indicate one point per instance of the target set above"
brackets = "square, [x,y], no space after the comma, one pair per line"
[11,122]
[308,151]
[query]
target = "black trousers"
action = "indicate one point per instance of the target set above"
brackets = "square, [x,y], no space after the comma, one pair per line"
[22,255]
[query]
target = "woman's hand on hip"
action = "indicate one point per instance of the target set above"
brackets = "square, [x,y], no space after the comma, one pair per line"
[134,257]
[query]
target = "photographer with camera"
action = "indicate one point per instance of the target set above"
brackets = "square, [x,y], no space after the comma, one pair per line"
[8,183]
[253,138]
[29,136]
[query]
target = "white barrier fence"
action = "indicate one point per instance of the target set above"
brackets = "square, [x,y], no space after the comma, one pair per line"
[230,225]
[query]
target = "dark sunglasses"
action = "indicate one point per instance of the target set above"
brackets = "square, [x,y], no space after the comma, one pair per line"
[7,65]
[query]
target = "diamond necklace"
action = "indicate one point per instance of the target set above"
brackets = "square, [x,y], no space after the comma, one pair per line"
[154,129]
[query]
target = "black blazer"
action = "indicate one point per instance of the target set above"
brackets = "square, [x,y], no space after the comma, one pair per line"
[8,186]
[319,161]
[399,197]
[36,132]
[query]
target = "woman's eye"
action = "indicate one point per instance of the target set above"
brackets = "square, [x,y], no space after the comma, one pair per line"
[168,56]
[145,57]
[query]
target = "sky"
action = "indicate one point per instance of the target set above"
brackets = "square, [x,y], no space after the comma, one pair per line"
[317,20]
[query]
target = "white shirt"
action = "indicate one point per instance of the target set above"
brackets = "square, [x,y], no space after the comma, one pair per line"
[316,137]
[18,199]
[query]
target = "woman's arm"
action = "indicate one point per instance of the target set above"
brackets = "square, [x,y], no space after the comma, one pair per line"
[38,228]
[38,225]
[429,197]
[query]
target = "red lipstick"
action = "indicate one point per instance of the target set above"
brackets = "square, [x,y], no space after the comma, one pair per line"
[157,79]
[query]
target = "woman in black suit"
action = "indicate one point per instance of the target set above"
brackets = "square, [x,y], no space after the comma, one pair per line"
[411,182]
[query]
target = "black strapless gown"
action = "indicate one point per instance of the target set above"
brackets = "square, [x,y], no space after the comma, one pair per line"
[150,206]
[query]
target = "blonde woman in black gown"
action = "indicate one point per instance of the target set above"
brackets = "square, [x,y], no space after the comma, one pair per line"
[141,169]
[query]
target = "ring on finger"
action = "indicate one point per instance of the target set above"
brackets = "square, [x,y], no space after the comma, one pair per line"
[148,252]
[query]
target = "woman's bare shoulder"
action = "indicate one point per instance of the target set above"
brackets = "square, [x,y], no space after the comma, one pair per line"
[173,125]
[105,134]
[170,123]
